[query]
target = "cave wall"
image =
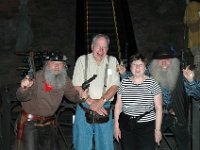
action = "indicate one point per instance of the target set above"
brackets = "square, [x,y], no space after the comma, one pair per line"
[158,22]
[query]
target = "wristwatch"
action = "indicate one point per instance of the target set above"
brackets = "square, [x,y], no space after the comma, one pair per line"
[104,99]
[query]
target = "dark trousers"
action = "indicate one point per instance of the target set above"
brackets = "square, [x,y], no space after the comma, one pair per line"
[39,138]
[136,136]
[179,130]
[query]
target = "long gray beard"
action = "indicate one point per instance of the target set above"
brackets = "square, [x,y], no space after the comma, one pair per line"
[166,78]
[57,81]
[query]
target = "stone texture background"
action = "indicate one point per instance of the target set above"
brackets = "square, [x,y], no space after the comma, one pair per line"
[157,22]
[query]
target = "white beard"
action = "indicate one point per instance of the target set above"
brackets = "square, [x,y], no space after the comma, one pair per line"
[167,78]
[57,81]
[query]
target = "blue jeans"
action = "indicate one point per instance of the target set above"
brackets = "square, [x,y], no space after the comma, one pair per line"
[83,132]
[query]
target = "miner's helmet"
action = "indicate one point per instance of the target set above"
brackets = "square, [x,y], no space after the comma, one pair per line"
[56,56]
[163,53]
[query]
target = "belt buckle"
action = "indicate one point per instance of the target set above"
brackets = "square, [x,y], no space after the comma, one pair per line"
[133,117]
[30,117]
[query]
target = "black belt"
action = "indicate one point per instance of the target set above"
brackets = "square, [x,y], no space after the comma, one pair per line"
[137,118]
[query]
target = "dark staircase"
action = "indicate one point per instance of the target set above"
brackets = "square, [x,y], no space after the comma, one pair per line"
[107,17]
[100,20]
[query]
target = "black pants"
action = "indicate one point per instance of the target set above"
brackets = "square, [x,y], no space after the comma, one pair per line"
[39,138]
[179,130]
[136,136]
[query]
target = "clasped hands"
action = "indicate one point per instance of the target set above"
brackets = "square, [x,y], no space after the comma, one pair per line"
[95,104]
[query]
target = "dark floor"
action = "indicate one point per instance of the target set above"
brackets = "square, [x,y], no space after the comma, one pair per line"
[66,135]
[65,118]
[66,115]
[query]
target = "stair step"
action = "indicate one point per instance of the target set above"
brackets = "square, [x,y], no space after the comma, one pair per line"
[111,35]
[102,17]
[99,3]
[100,13]
[101,30]
[100,7]
[101,23]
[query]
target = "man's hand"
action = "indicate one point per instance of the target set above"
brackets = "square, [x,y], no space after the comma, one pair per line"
[97,106]
[121,69]
[26,83]
[84,94]
[188,74]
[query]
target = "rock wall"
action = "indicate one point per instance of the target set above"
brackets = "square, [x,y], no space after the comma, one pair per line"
[158,22]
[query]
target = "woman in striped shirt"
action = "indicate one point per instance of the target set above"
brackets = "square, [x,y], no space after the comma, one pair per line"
[138,110]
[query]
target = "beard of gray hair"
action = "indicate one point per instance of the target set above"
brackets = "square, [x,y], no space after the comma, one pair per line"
[56,80]
[167,78]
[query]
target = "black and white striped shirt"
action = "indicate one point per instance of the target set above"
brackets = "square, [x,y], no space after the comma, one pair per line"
[139,98]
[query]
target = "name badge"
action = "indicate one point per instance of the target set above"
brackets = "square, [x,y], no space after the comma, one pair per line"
[109,71]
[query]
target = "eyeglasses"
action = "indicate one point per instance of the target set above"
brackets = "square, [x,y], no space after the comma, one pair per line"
[101,47]
[137,65]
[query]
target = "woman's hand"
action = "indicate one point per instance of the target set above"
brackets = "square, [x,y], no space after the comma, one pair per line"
[158,136]
[117,134]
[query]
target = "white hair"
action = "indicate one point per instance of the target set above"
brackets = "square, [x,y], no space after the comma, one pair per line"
[100,36]
[56,80]
[166,78]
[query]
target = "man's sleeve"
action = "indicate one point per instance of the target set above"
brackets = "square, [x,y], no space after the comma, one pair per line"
[193,89]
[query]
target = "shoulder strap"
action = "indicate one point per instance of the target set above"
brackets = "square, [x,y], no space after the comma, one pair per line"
[106,75]
[86,67]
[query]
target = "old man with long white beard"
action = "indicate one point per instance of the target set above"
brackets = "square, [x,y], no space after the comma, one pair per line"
[176,87]
[40,98]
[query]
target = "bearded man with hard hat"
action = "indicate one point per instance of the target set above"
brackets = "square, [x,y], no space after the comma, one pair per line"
[40,97]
